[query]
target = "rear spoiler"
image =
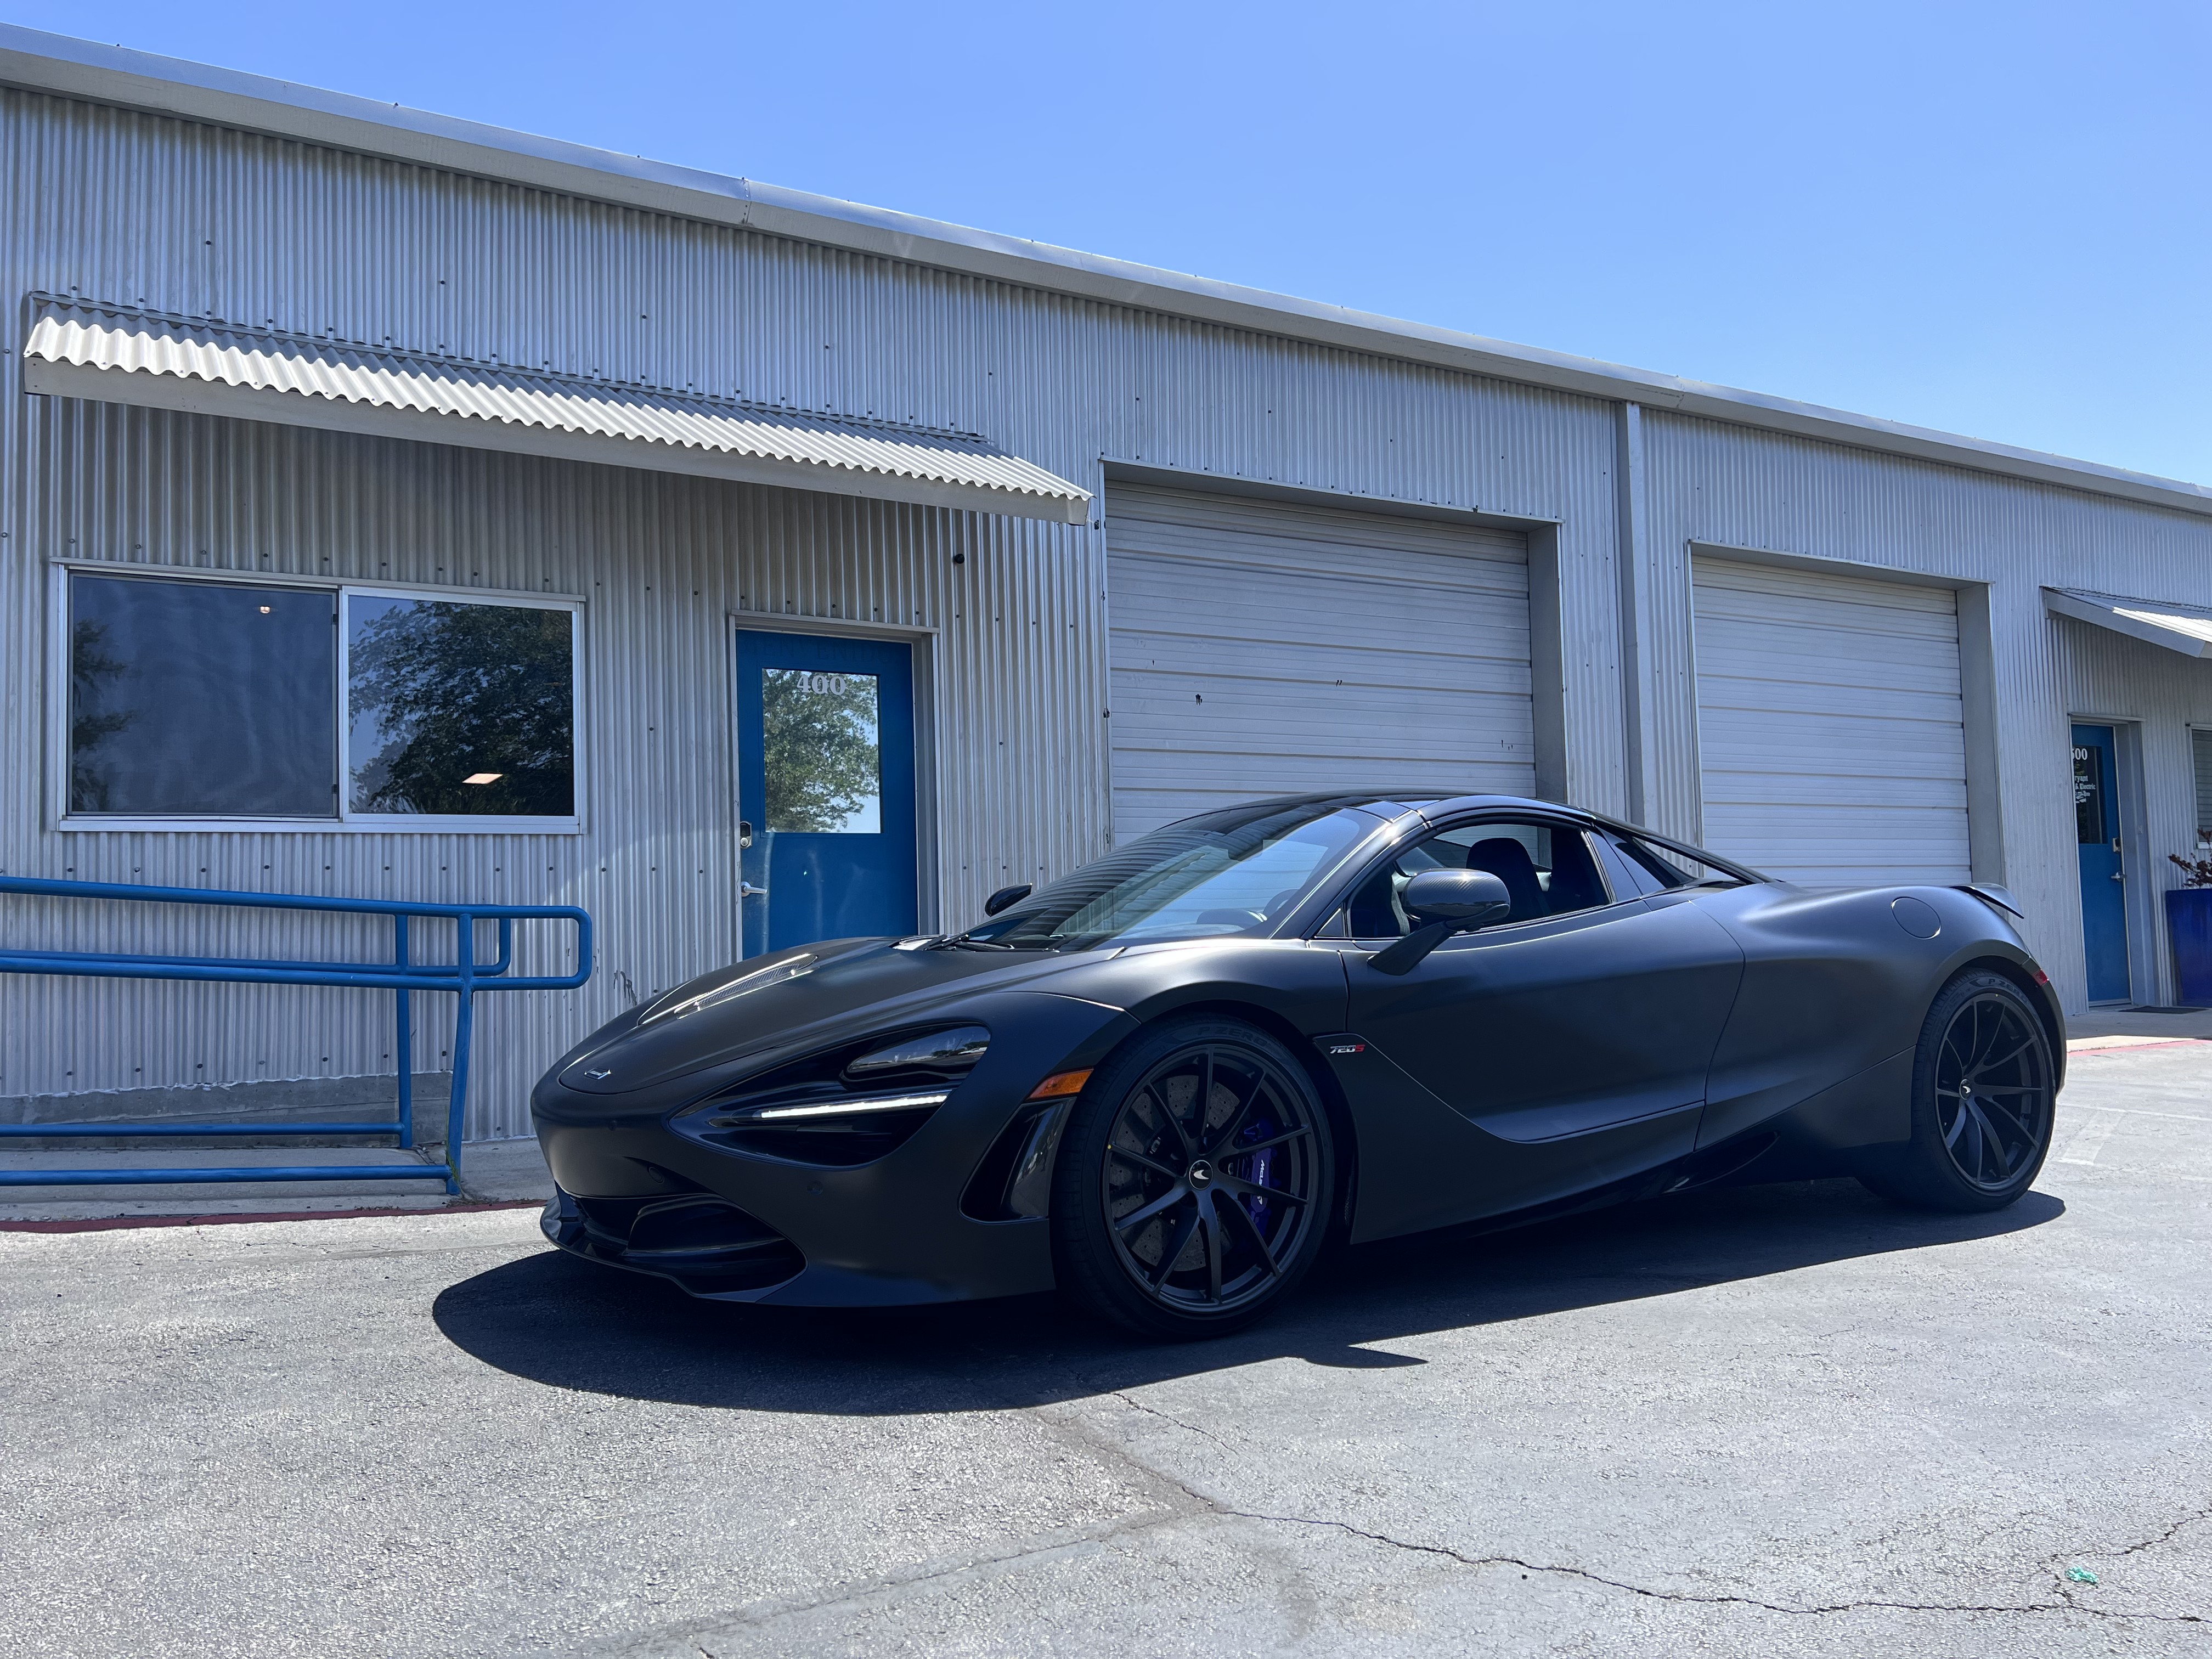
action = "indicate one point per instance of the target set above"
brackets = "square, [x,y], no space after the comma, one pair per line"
[1995,895]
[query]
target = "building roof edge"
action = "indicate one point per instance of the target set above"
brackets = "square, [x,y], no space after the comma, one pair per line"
[62,64]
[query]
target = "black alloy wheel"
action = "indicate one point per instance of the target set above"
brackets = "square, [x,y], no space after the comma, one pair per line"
[1194,1180]
[1983,1104]
[1992,1090]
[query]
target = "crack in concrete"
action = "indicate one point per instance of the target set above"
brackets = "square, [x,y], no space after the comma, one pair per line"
[2066,1604]
[1135,1404]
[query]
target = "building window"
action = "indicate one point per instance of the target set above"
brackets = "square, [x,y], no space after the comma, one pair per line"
[194,699]
[2200,744]
[460,708]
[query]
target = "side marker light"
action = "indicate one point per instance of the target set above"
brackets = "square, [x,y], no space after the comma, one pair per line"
[1061,1084]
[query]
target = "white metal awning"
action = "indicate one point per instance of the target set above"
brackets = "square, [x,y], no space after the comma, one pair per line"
[115,356]
[2184,628]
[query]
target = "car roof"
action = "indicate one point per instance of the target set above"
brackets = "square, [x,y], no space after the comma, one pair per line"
[1427,802]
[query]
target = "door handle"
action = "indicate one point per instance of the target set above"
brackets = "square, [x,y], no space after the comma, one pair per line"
[746,890]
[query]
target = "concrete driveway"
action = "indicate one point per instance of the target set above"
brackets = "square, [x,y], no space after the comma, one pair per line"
[1788,1421]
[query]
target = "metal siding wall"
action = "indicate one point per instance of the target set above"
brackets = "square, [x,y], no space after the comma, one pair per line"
[139,209]
[1734,486]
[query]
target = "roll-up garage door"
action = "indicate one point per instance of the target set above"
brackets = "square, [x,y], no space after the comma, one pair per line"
[1830,732]
[1260,647]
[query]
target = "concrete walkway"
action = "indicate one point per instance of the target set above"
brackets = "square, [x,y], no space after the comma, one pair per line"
[497,1171]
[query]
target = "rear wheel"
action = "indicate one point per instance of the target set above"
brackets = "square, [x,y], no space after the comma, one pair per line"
[1192,1189]
[1982,1102]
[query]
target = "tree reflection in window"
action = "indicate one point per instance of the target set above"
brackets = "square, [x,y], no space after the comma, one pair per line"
[440,692]
[93,675]
[822,763]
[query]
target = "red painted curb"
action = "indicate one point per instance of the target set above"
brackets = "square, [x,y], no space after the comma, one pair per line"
[113,1223]
[2136,1048]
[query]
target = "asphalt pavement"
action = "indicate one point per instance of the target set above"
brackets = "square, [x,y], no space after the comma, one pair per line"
[1773,1421]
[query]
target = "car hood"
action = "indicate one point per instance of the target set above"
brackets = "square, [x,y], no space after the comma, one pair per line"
[849,986]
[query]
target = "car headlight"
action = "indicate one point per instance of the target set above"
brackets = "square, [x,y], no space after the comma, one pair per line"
[841,1106]
[956,1050]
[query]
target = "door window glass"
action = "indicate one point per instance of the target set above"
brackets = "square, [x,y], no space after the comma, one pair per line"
[2088,794]
[1548,870]
[821,751]
[202,699]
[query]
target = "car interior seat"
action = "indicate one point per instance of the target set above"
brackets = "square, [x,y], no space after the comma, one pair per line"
[1508,860]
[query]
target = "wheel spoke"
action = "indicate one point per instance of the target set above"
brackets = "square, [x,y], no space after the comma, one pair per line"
[1255,1237]
[1173,1248]
[1976,1158]
[1182,1136]
[1209,1218]
[1220,1146]
[1244,1188]
[2012,1115]
[2009,1055]
[1958,1124]
[1202,1101]
[1283,1139]
[1168,1199]
[1991,1141]
[1143,1163]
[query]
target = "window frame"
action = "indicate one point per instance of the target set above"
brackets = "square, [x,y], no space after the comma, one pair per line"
[344,820]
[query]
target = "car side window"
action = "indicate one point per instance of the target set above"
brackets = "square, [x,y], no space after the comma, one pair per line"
[1547,870]
[1645,868]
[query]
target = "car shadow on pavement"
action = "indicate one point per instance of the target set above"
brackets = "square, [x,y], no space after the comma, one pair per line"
[571,1324]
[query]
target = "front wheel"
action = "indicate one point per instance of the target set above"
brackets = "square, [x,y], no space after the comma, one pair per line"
[1193,1186]
[1982,1102]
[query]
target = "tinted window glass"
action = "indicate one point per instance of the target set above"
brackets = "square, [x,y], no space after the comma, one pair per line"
[1547,872]
[1654,870]
[202,699]
[2088,795]
[459,707]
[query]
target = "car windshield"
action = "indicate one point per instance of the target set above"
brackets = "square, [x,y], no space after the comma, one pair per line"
[1236,871]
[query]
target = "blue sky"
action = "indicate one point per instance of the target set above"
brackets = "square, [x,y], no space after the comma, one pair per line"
[1987,218]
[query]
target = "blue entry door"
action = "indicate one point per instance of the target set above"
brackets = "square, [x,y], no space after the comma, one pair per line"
[2103,894]
[826,788]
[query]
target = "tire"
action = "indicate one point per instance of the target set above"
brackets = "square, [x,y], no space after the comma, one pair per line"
[1181,1222]
[1982,1102]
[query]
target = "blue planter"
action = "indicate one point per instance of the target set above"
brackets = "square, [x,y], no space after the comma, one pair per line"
[2189,925]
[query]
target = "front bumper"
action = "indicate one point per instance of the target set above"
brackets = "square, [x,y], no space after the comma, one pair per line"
[730,1225]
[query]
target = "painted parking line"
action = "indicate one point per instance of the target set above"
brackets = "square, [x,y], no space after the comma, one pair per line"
[2089,1139]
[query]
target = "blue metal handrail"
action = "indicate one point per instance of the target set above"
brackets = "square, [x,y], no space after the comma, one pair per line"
[402,976]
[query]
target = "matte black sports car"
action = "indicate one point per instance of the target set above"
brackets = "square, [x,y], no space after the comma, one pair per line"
[1168,1081]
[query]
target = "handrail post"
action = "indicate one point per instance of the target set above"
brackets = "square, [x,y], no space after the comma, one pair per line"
[401,958]
[464,1028]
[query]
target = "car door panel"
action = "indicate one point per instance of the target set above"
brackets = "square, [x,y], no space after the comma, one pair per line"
[1561,1027]
[1422,1164]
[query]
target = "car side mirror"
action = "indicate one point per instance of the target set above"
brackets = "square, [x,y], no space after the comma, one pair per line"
[1007,895]
[1445,901]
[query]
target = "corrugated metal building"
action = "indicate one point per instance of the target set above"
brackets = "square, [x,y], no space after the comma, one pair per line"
[1072,546]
